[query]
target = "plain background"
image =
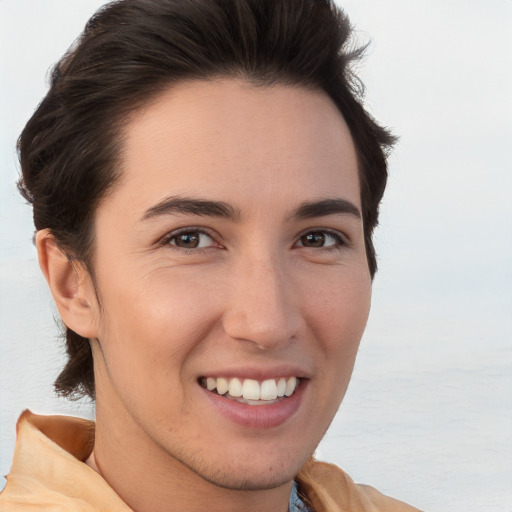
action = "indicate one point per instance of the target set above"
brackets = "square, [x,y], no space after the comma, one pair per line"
[428,415]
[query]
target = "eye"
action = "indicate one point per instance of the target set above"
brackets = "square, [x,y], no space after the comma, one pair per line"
[318,239]
[190,239]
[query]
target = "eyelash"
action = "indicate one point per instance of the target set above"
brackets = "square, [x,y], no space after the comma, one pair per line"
[340,240]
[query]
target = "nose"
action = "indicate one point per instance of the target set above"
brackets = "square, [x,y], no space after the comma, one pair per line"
[263,308]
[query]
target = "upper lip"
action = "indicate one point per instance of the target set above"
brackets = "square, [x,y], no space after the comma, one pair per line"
[258,373]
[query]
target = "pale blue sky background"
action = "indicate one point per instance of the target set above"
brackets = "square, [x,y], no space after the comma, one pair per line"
[428,416]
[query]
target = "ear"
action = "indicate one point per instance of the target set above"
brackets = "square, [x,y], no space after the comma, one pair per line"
[71,286]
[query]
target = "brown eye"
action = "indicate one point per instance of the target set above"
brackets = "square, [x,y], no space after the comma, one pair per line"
[316,239]
[191,240]
[319,239]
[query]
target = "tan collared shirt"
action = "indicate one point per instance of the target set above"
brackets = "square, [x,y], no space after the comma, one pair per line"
[48,473]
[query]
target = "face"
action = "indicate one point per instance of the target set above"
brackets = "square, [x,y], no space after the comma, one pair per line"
[231,272]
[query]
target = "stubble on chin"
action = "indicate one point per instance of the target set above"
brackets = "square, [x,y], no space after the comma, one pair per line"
[242,476]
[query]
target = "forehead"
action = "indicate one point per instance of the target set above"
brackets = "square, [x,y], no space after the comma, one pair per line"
[221,136]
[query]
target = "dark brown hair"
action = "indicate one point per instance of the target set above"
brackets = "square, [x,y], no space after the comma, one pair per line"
[130,51]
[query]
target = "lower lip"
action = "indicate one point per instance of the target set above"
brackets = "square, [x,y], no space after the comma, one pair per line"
[258,416]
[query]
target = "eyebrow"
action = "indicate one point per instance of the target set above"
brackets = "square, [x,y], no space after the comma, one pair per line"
[206,208]
[202,207]
[311,209]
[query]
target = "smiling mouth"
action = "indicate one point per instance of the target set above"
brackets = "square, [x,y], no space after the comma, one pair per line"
[250,391]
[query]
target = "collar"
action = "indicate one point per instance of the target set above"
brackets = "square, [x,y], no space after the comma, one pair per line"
[48,468]
[49,471]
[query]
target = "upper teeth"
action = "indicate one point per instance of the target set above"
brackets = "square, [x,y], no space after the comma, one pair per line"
[251,389]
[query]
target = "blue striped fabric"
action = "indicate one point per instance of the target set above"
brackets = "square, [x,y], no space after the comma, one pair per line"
[296,504]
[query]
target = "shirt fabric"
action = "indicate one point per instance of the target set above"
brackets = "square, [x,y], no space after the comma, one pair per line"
[296,504]
[48,473]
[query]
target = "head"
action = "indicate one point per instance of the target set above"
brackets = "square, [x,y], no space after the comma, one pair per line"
[138,61]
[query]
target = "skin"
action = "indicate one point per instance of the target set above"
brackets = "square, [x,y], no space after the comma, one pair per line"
[256,295]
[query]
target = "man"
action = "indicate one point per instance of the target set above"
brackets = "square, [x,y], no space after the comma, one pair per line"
[205,184]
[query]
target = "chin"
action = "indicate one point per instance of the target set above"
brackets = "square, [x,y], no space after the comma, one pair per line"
[249,473]
[251,481]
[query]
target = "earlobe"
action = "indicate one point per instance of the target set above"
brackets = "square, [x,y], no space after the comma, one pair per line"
[70,285]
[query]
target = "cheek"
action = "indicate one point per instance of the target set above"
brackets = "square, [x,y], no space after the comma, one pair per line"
[338,318]
[150,327]
[339,310]
[156,319]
